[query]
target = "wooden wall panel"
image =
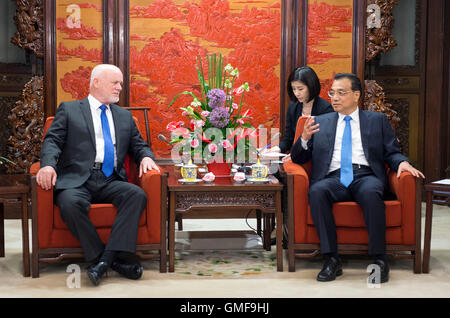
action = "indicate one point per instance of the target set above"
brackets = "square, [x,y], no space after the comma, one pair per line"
[79,46]
[435,114]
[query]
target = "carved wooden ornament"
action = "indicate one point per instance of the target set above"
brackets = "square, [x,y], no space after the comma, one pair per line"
[375,100]
[380,23]
[27,123]
[29,21]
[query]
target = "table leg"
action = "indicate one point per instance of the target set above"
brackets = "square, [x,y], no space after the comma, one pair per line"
[266,237]
[279,229]
[25,237]
[427,237]
[258,222]
[2,230]
[172,232]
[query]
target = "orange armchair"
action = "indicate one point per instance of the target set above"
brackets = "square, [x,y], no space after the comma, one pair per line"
[403,217]
[52,237]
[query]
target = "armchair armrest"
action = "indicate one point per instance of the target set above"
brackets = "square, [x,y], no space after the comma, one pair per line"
[35,168]
[42,212]
[298,170]
[402,187]
[405,190]
[298,188]
[151,182]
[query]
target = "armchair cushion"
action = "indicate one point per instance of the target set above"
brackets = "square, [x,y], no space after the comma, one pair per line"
[101,215]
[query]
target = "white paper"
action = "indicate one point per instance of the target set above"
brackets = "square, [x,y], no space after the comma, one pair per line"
[273,154]
[444,181]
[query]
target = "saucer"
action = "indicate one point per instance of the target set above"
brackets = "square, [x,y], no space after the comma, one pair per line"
[240,181]
[262,180]
[190,181]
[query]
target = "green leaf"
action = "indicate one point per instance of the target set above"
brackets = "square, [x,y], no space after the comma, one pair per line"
[183,93]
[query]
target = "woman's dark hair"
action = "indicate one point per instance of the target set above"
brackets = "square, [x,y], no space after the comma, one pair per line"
[356,82]
[307,76]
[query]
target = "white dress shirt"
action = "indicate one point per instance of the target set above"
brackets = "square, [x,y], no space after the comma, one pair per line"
[358,156]
[99,141]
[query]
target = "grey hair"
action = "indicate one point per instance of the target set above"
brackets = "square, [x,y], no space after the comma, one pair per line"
[97,70]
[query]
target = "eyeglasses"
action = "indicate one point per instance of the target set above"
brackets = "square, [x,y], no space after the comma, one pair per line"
[338,93]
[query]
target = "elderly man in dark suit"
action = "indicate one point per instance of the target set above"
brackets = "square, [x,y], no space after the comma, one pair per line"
[348,150]
[82,156]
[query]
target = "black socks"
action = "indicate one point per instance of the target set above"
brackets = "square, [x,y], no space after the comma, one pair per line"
[108,257]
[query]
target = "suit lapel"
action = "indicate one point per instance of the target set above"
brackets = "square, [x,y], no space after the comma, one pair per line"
[331,131]
[117,123]
[86,111]
[364,127]
[329,128]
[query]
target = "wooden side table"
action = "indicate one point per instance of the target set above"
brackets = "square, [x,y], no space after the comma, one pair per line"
[226,194]
[16,187]
[437,193]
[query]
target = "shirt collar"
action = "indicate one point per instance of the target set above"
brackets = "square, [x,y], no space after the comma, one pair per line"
[95,103]
[354,115]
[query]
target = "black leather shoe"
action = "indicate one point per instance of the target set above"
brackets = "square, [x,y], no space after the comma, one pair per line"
[384,272]
[96,271]
[132,270]
[331,269]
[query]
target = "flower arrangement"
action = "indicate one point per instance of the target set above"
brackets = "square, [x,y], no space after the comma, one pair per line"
[219,129]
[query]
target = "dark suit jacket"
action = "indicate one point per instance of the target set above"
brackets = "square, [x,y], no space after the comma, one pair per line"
[320,106]
[378,140]
[69,145]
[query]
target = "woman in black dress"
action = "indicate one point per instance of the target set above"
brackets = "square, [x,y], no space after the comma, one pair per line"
[303,87]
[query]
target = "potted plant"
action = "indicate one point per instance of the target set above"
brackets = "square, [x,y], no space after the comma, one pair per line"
[218,131]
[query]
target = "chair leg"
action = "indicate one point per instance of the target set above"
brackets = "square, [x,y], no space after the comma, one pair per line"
[417,263]
[291,259]
[163,260]
[35,265]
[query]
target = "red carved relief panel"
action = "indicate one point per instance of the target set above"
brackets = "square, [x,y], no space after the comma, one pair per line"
[166,37]
[329,39]
[79,42]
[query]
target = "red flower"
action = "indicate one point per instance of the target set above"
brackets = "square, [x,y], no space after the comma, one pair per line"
[172,126]
[238,91]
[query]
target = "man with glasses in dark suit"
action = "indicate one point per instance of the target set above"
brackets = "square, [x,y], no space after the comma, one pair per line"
[348,150]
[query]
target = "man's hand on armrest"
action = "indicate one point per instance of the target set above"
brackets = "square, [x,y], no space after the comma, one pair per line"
[147,163]
[405,166]
[46,177]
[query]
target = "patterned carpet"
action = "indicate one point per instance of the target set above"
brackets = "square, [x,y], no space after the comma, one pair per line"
[225,264]
[221,254]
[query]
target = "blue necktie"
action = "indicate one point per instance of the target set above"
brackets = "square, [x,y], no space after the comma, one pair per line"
[346,154]
[108,160]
